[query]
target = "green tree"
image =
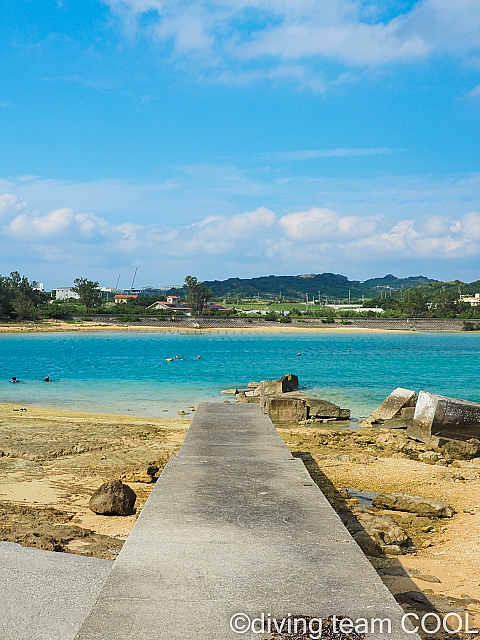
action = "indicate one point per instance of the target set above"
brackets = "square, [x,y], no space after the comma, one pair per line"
[18,297]
[88,292]
[197,295]
[414,303]
[446,303]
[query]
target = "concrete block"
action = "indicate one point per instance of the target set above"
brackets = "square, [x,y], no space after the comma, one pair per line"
[322,409]
[392,406]
[248,398]
[286,409]
[270,387]
[438,418]
[287,383]
[397,423]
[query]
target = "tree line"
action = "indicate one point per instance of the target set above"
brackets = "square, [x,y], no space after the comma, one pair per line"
[21,300]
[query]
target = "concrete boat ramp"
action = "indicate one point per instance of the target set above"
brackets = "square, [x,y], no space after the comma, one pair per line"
[234,527]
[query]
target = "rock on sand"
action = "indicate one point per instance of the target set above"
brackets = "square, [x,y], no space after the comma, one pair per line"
[113,498]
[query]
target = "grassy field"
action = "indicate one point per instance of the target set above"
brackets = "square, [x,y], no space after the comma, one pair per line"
[254,306]
[288,306]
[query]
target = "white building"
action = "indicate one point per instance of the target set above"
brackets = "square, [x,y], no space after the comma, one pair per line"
[354,307]
[64,293]
[473,300]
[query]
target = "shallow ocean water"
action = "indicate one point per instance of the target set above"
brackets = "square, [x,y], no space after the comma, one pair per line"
[127,372]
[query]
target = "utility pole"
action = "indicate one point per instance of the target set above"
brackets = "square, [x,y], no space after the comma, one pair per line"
[306,302]
[133,281]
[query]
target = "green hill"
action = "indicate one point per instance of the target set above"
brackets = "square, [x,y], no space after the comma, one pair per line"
[323,285]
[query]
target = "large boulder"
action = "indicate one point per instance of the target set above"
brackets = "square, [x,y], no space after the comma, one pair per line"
[413,504]
[113,498]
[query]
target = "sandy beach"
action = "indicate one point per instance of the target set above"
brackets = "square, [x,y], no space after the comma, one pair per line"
[59,326]
[52,461]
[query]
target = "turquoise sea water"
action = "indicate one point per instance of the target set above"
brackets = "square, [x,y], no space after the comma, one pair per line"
[126,372]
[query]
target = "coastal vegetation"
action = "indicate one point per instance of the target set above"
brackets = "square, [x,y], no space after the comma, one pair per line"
[390,297]
[19,299]
[88,292]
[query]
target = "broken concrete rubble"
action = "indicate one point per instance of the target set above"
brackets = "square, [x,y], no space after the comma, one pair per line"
[284,385]
[438,418]
[325,409]
[391,408]
[284,404]
[286,409]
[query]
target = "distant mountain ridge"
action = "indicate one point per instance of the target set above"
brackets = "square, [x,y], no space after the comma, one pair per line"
[328,285]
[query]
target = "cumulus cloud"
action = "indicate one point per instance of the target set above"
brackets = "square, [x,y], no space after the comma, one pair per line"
[325,224]
[27,226]
[285,34]
[10,205]
[295,242]
[469,226]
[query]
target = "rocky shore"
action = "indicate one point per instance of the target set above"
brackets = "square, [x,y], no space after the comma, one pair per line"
[53,461]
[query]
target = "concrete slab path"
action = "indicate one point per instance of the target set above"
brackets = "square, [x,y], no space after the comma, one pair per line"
[235,525]
[46,595]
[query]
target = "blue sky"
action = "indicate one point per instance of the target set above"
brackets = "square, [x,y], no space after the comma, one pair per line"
[241,138]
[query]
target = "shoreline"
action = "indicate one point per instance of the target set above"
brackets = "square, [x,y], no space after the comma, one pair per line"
[52,413]
[65,327]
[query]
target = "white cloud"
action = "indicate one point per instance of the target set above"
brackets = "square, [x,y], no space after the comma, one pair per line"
[10,205]
[90,225]
[325,224]
[469,225]
[282,35]
[296,242]
[27,226]
[241,225]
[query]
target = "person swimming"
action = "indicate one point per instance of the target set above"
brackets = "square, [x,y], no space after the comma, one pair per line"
[47,379]
[14,379]
[197,358]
